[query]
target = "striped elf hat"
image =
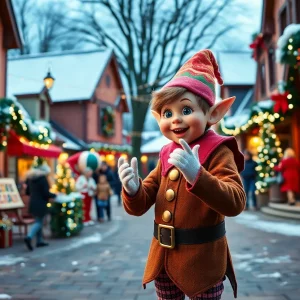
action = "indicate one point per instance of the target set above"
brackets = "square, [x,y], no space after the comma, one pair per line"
[198,75]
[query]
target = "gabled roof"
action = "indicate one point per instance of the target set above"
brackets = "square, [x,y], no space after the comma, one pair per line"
[237,68]
[76,73]
[12,37]
[70,140]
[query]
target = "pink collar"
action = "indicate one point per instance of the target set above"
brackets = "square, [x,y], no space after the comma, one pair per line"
[208,142]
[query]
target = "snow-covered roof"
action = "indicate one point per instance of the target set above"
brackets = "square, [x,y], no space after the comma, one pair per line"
[155,145]
[76,74]
[237,68]
[68,144]
[237,120]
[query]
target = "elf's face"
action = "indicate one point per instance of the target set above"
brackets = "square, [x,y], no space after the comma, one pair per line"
[183,119]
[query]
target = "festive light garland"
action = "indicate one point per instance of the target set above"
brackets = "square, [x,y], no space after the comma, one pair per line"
[12,117]
[286,99]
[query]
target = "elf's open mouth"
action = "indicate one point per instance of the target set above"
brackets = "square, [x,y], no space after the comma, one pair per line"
[179,130]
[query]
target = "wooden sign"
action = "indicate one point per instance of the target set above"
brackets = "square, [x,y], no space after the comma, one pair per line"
[9,195]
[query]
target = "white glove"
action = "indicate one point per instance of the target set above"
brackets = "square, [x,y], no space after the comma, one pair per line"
[129,175]
[186,160]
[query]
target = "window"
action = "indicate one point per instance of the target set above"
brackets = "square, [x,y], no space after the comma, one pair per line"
[283,19]
[291,12]
[42,109]
[107,80]
[297,11]
[106,121]
[262,80]
[272,66]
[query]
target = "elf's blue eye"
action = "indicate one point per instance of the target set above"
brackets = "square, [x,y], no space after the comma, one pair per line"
[167,114]
[187,110]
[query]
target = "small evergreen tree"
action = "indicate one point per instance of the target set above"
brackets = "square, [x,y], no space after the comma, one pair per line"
[268,156]
[64,181]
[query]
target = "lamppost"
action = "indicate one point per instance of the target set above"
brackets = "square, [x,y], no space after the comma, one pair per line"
[49,80]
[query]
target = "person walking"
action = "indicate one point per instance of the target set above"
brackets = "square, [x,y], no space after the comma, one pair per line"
[249,177]
[290,169]
[106,170]
[104,191]
[38,190]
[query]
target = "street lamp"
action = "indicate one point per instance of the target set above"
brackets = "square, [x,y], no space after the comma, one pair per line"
[49,80]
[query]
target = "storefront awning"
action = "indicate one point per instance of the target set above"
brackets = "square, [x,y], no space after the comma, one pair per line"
[18,146]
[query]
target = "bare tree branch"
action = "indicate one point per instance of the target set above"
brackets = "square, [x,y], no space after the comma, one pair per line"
[155,38]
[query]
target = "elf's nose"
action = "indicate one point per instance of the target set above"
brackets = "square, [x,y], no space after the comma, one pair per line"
[177,119]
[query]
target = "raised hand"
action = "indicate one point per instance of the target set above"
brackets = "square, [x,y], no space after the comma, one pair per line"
[129,175]
[186,160]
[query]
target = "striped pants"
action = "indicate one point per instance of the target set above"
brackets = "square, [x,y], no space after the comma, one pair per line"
[167,290]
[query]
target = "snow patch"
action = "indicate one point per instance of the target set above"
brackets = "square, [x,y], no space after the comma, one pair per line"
[268,226]
[5,296]
[8,260]
[272,275]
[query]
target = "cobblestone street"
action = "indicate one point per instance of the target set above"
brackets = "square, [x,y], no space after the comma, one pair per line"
[107,261]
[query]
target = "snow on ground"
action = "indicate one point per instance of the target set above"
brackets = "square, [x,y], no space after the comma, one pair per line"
[285,228]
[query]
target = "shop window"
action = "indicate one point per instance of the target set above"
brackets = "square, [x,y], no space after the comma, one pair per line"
[272,66]
[23,166]
[42,109]
[283,21]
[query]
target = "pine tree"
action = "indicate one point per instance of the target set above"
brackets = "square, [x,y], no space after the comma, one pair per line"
[64,182]
[268,155]
[67,217]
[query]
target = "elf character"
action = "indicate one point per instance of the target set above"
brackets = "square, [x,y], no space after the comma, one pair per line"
[194,186]
[84,164]
[86,185]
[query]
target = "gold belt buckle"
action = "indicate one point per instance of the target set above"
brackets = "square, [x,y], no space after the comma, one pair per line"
[172,236]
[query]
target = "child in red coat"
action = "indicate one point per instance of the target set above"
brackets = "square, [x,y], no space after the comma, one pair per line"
[290,169]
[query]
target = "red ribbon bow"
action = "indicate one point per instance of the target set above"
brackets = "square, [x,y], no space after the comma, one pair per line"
[257,44]
[281,103]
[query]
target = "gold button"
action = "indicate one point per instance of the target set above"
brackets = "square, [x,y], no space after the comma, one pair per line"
[174,174]
[170,195]
[167,216]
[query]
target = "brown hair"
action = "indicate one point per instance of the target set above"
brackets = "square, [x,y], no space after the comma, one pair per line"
[167,95]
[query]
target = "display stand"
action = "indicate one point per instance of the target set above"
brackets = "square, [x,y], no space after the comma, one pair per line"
[10,201]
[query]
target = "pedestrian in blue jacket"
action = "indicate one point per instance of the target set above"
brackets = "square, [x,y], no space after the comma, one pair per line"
[249,177]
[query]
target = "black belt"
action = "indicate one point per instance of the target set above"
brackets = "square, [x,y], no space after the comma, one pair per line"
[168,236]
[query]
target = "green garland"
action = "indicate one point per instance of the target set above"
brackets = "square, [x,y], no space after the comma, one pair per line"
[288,53]
[289,46]
[108,121]
[12,118]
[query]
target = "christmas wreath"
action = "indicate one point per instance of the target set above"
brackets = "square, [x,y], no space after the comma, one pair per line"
[108,121]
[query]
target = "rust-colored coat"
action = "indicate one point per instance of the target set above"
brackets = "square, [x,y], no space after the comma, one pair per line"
[218,192]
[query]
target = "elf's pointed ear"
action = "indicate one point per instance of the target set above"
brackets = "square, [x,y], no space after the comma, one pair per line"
[156,116]
[218,111]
